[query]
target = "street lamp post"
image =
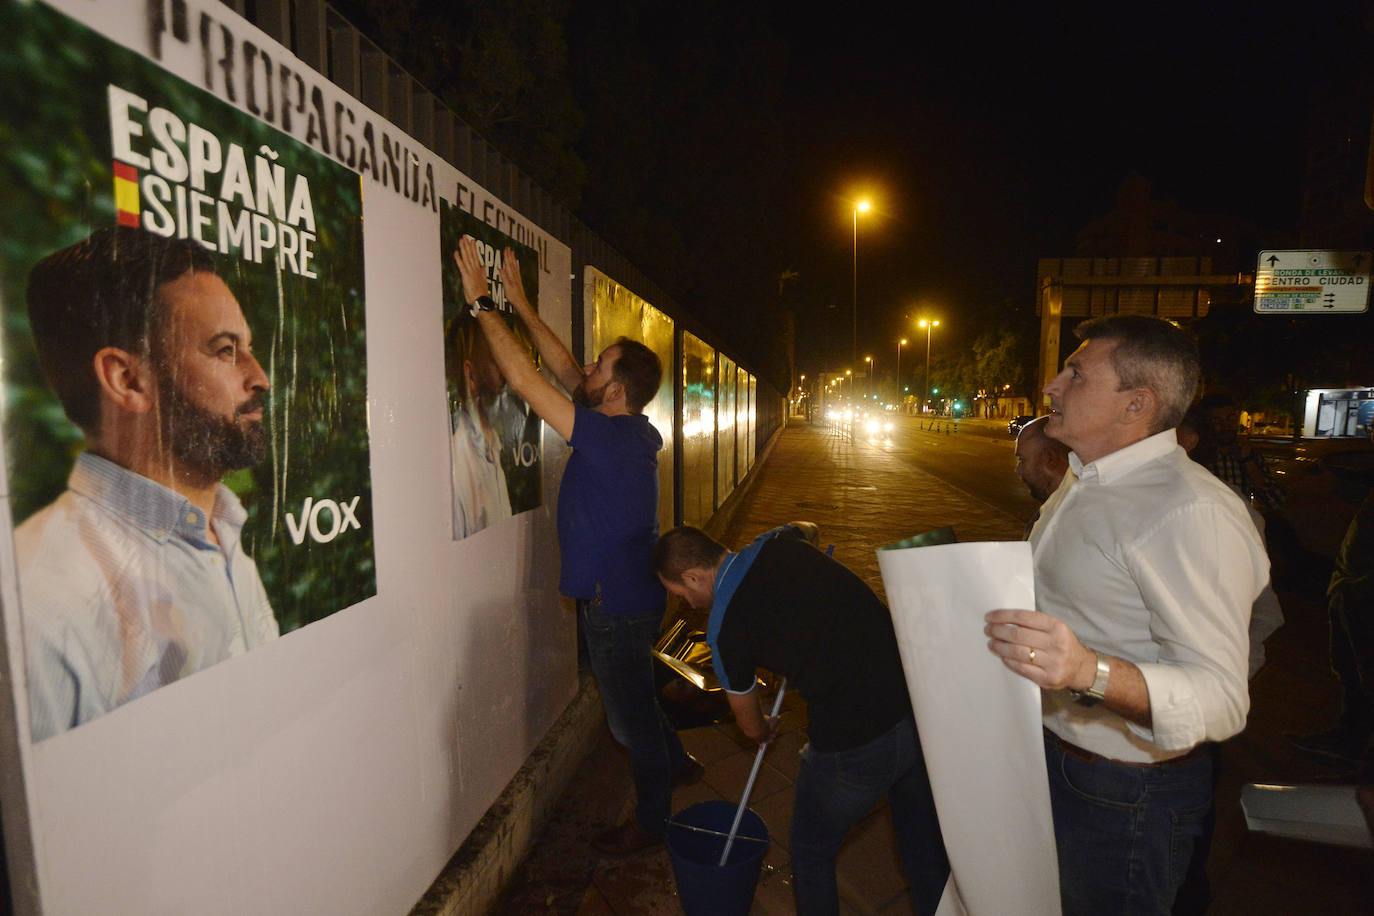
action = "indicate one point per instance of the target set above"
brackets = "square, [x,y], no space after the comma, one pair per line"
[860,206]
[900,343]
[925,390]
[869,360]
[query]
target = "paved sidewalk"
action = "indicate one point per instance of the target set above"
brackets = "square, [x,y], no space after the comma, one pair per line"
[862,499]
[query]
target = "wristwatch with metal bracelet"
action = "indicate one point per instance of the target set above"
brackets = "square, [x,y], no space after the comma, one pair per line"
[1098,691]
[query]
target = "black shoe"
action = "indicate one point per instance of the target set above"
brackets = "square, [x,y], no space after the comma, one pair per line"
[1342,743]
[688,773]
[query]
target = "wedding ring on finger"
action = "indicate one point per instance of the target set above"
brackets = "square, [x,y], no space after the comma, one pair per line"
[1032,656]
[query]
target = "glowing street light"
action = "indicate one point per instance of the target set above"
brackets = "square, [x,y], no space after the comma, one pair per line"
[869,360]
[900,343]
[929,326]
[860,206]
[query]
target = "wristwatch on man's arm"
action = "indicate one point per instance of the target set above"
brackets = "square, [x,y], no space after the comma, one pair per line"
[1098,691]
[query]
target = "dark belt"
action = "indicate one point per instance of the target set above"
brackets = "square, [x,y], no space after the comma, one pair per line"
[1088,756]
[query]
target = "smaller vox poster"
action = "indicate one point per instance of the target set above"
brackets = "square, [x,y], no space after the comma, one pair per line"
[184,373]
[493,435]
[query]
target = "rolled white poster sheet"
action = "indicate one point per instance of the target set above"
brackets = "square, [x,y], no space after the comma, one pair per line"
[979,723]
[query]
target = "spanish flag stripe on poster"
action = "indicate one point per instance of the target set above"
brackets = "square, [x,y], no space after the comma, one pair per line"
[126,194]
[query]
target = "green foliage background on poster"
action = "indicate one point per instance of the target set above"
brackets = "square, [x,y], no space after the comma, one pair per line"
[55,164]
[518,425]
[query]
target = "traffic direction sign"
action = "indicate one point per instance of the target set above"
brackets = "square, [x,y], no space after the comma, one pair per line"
[1312,282]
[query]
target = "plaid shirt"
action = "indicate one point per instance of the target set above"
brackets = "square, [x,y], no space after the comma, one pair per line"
[1250,475]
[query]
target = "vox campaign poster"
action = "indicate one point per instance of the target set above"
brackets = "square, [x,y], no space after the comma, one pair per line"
[184,373]
[494,449]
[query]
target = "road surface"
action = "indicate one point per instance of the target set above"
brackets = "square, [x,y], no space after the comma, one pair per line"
[977,460]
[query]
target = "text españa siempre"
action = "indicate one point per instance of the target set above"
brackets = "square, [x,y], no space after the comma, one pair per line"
[190,184]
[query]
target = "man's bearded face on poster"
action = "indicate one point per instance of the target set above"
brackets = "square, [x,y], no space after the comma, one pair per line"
[208,441]
[211,389]
[485,381]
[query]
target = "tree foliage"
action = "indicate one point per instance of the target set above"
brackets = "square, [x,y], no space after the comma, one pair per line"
[1001,356]
[664,93]
[622,110]
[502,67]
[1267,361]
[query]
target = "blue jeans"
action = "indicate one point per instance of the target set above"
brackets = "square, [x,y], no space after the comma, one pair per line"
[836,790]
[1125,834]
[619,648]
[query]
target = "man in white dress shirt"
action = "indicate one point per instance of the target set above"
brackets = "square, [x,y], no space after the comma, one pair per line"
[1146,568]
[135,576]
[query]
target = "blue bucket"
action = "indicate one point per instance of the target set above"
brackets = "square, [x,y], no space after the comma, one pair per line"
[696,837]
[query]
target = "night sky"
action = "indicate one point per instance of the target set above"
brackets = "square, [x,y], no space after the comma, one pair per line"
[721,143]
[989,137]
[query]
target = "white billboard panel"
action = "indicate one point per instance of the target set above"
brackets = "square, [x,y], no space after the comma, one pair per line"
[333,765]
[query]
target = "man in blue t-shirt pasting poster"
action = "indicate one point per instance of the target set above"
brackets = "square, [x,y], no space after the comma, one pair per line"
[607,525]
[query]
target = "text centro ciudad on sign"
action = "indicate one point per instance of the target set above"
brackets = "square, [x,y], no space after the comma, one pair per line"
[1312,281]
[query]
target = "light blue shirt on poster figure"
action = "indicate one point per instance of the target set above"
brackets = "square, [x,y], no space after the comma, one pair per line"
[121,593]
[480,494]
